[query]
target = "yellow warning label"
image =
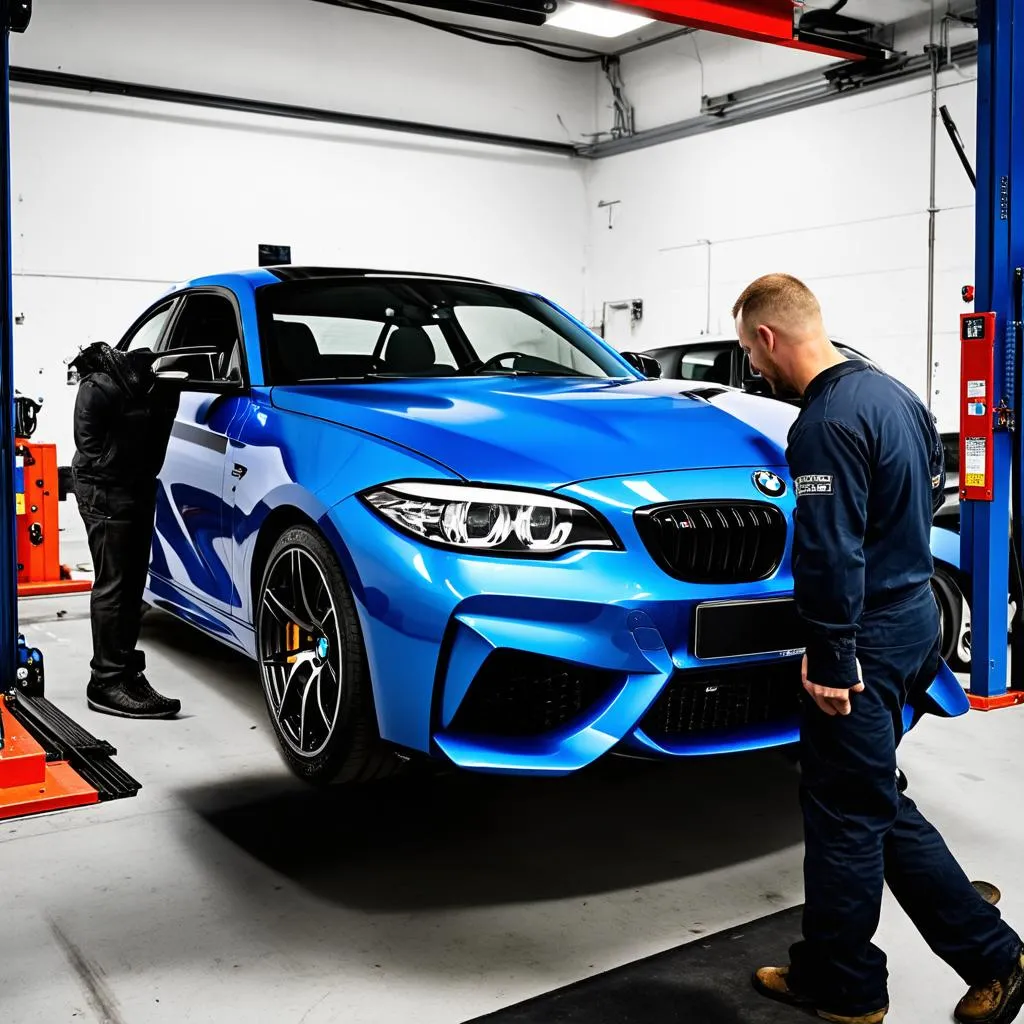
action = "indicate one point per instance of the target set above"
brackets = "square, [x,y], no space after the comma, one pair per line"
[19,504]
[975,480]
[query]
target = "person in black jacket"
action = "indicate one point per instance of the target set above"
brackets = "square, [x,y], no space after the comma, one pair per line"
[123,420]
[867,467]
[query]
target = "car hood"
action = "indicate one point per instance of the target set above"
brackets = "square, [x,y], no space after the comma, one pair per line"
[549,432]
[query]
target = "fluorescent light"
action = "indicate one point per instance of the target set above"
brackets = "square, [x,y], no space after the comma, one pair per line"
[596,21]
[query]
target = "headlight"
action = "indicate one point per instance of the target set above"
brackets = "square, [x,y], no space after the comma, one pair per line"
[485,519]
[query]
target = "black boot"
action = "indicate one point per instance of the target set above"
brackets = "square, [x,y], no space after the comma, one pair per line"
[132,698]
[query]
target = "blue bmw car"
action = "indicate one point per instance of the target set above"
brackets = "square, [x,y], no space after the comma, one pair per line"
[444,517]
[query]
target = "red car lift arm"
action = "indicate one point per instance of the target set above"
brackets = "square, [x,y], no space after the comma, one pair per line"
[766,21]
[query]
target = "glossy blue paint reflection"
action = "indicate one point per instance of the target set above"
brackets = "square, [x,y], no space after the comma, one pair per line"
[432,617]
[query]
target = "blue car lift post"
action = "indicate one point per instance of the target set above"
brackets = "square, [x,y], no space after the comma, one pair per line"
[992,532]
[47,761]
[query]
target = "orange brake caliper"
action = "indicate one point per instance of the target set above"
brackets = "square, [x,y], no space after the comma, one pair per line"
[291,640]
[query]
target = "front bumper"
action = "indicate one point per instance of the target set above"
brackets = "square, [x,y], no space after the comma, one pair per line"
[609,632]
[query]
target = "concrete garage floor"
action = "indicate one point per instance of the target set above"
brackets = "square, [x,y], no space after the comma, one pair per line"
[226,891]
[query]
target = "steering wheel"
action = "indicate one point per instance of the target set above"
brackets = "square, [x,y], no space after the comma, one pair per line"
[496,360]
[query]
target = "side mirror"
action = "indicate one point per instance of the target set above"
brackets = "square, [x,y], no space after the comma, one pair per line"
[197,364]
[647,365]
[196,369]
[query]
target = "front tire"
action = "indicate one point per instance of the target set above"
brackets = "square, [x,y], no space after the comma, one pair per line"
[313,666]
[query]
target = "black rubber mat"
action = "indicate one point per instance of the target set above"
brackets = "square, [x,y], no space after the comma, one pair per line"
[704,982]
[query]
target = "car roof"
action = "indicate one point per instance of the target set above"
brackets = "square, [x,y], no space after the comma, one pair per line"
[256,277]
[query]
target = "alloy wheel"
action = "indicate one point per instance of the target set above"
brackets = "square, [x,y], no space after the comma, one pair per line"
[300,651]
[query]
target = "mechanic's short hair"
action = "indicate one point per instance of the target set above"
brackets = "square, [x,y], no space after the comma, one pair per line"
[776,298]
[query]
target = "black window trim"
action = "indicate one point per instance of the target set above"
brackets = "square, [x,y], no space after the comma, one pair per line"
[182,298]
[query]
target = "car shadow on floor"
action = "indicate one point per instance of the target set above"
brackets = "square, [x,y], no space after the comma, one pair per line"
[436,838]
[445,840]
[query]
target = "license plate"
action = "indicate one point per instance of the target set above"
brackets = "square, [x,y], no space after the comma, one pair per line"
[736,629]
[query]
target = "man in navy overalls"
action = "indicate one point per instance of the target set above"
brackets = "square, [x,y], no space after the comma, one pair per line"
[867,465]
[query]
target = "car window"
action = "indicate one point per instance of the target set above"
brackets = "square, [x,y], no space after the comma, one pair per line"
[712,363]
[207,322]
[149,331]
[337,335]
[497,329]
[338,329]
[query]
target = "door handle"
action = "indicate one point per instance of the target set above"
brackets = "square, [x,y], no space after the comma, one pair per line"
[239,471]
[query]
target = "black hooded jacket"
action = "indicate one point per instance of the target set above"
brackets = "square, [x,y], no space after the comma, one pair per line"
[123,419]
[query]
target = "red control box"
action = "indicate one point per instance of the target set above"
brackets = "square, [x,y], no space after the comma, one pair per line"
[977,421]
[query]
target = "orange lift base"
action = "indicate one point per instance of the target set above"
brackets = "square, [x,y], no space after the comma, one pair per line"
[40,572]
[1010,699]
[30,785]
[45,588]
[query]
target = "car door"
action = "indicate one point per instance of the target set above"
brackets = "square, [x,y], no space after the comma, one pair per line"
[192,548]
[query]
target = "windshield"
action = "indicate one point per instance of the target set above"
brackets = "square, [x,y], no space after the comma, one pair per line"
[336,330]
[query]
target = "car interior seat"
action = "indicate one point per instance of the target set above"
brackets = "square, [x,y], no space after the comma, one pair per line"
[410,351]
[296,353]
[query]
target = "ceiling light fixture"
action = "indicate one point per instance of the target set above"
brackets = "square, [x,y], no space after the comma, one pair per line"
[596,21]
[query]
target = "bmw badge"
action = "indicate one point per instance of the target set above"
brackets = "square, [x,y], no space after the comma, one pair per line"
[769,484]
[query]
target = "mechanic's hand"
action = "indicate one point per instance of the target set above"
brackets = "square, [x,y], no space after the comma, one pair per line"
[831,700]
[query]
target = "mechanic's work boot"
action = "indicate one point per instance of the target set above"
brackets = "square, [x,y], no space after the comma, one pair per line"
[997,1002]
[134,698]
[988,892]
[773,982]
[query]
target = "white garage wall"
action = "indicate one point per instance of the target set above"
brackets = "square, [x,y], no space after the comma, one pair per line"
[837,194]
[665,83]
[313,54]
[114,200]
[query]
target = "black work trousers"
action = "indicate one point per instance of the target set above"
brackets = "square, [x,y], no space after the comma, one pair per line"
[119,523]
[861,832]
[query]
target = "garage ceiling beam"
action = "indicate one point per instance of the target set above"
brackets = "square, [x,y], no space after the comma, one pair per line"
[163,94]
[781,96]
